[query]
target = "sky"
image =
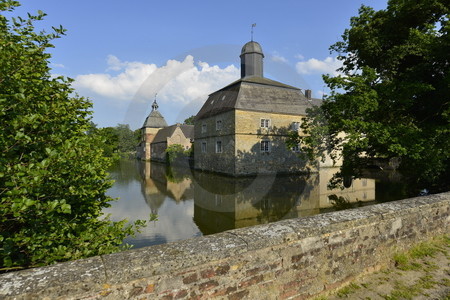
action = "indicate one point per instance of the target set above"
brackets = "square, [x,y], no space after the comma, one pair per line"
[123,55]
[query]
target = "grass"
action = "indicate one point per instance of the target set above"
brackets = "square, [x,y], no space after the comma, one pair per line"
[347,290]
[402,291]
[406,261]
[414,259]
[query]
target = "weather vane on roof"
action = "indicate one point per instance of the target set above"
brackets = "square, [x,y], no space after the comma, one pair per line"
[253,25]
[155,105]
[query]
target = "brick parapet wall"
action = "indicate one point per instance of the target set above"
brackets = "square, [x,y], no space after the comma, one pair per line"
[291,259]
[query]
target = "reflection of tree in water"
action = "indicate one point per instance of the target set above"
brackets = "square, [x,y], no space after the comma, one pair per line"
[282,197]
[391,185]
[124,171]
[223,202]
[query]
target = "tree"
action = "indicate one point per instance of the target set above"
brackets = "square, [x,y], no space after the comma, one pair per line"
[126,138]
[190,120]
[392,99]
[52,177]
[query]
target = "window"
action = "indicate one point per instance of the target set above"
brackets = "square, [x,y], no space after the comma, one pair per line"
[218,124]
[265,123]
[203,128]
[219,147]
[265,146]
[203,147]
[296,148]
[295,126]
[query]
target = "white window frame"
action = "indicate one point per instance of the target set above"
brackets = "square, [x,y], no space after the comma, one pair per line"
[296,148]
[265,123]
[218,124]
[204,128]
[204,147]
[219,147]
[295,126]
[264,146]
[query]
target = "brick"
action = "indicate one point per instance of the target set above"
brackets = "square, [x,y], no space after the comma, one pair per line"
[167,297]
[207,273]
[208,285]
[223,292]
[290,285]
[190,279]
[149,288]
[222,270]
[137,290]
[238,295]
[257,270]
[297,258]
[181,294]
[288,294]
[252,281]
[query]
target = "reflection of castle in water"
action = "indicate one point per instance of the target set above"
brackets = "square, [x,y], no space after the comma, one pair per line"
[223,203]
[159,182]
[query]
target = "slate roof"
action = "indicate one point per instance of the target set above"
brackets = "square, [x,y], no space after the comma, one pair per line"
[252,47]
[164,133]
[257,94]
[155,120]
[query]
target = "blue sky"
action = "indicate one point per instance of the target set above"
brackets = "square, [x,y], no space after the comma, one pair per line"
[122,53]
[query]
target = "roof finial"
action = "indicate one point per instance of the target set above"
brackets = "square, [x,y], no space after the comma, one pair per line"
[253,25]
[155,105]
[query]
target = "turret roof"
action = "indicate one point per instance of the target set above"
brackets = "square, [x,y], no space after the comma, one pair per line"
[155,120]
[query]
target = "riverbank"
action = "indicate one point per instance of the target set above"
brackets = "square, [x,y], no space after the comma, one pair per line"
[423,272]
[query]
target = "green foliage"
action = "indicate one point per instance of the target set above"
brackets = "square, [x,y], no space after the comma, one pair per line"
[176,151]
[410,260]
[190,120]
[116,142]
[347,290]
[392,99]
[52,175]
[339,202]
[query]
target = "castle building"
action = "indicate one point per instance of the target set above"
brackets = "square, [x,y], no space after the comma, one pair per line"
[157,136]
[241,129]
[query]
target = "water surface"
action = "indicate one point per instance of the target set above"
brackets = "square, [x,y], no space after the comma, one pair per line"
[191,203]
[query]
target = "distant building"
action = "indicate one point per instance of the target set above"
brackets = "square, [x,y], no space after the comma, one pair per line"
[175,134]
[241,129]
[157,136]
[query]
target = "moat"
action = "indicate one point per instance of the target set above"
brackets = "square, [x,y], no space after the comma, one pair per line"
[191,203]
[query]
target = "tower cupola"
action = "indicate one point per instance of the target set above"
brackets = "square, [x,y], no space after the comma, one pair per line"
[252,60]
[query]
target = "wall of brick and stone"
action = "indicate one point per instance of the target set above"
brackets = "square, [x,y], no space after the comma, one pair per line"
[290,259]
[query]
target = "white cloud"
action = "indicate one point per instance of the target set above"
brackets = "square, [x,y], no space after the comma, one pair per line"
[314,66]
[278,58]
[58,65]
[122,86]
[300,57]
[177,81]
[114,63]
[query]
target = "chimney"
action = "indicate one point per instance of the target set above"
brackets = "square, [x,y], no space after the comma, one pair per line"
[308,94]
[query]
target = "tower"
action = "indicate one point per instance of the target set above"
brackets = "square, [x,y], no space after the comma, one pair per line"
[152,124]
[252,60]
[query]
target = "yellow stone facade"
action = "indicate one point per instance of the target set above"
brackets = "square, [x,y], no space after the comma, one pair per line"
[241,136]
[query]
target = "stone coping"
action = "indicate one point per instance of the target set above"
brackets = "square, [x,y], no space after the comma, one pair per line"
[96,272]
